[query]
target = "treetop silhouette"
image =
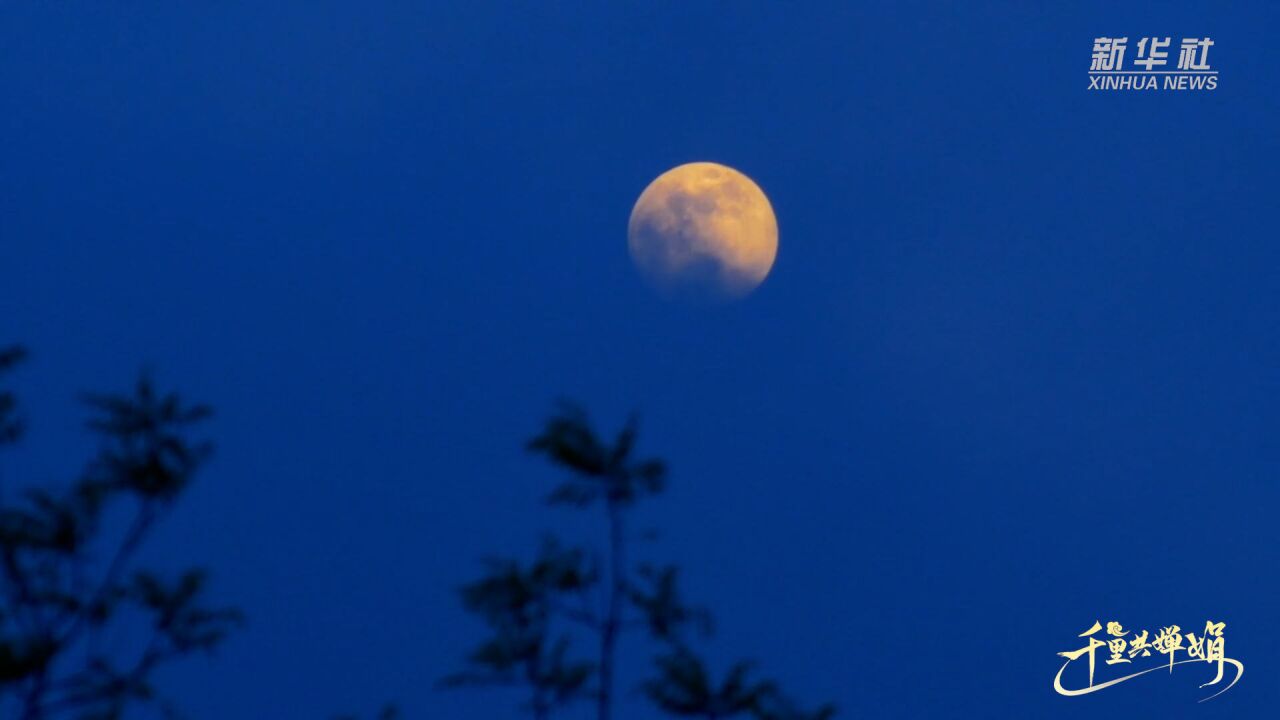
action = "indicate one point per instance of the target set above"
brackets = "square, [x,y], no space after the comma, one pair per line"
[535,611]
[59,600]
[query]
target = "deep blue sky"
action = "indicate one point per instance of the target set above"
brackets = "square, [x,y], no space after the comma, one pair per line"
[1015,369]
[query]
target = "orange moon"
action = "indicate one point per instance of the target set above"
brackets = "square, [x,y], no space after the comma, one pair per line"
[703,230]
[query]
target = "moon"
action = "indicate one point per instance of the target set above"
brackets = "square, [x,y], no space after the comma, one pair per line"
[703,231]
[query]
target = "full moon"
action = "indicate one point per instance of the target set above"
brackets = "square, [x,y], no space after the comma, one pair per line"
[705,231]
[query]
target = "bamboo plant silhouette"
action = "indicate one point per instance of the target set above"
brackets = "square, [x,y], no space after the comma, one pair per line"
[528,608]
[58,602]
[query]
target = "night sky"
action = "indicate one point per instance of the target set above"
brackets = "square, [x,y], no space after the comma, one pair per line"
[1015,369]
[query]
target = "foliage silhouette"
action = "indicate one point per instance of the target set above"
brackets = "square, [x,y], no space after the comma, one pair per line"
[683,688]
[518,604]
[534,611]
[58,601]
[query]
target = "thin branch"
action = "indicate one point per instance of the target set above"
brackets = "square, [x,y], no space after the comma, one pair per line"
[146,517]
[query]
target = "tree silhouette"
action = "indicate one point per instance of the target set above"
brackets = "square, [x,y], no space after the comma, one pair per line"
[518,604]
[68,578]
[57,600]
[532,609]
